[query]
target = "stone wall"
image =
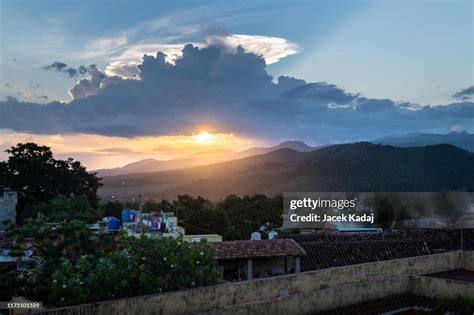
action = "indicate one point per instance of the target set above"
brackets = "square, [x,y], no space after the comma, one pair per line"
[316,289]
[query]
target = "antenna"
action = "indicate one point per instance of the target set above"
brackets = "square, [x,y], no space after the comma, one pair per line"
[140,205]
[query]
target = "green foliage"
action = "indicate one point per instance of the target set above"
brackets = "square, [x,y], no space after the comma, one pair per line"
[70,267]
[9,282]
[288,231]
[234,217]
[64,208]
[51,243]
[140,266]
[112,209]
[246,214]
[153,206]
[198,216]
[32,171]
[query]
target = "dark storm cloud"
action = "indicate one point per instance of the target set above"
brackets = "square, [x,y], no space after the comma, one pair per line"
[231,92]
[464,94]
[58,66]
[70,71]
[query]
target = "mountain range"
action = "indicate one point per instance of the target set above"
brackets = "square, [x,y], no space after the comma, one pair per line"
[360,166]
[460,139]
[200,158]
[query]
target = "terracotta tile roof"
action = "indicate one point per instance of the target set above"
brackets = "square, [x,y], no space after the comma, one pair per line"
[327,249]
[256,249]
[437,240]
[322,255]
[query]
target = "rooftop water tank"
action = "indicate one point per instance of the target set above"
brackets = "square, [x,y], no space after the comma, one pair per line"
[113,224]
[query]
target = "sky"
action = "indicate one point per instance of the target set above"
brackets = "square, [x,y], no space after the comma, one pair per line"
[73,76]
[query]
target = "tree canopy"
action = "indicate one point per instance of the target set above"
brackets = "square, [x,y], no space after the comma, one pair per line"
[69,266]
[37,176]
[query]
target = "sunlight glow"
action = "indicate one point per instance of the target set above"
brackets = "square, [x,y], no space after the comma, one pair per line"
[96,151]
[205,137]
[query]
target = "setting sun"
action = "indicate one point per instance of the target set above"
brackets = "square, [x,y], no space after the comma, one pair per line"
[204,137]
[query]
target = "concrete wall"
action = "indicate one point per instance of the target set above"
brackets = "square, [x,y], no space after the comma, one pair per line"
[349,294]
[366,280]
[323,299]
[8,201]
[441,287]
[211,238]
[468,260]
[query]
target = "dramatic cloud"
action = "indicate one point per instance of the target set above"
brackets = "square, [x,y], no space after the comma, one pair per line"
[88,87]
[201,26]
[61,67]
[229,91]
[71,72]
[125,64]
[321,92]
[272,49]
[465,94]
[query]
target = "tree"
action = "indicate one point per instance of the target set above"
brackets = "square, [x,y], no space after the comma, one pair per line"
[113,209]
[70,267]
[71,239]
[64,208]
[153,206]
[10,282]
[248,213]
[198,216]
[234,217]
[37,176]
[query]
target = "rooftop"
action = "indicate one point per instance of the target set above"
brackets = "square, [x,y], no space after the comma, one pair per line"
[402,304]
[257,249]
[327,249]
[458,274]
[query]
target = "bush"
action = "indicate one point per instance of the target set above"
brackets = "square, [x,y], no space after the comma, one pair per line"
[140,266]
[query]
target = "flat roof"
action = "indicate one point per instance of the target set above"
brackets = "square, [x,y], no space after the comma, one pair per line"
[400,304]
[457,274]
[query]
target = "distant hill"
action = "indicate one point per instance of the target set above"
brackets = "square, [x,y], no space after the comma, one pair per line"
[299,146]
[197,159]
[347,167]
[461,139]
[152,165]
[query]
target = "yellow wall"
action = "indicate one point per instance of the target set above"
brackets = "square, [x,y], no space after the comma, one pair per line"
[209,237]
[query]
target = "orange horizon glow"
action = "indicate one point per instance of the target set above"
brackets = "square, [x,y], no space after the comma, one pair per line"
[98,151]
